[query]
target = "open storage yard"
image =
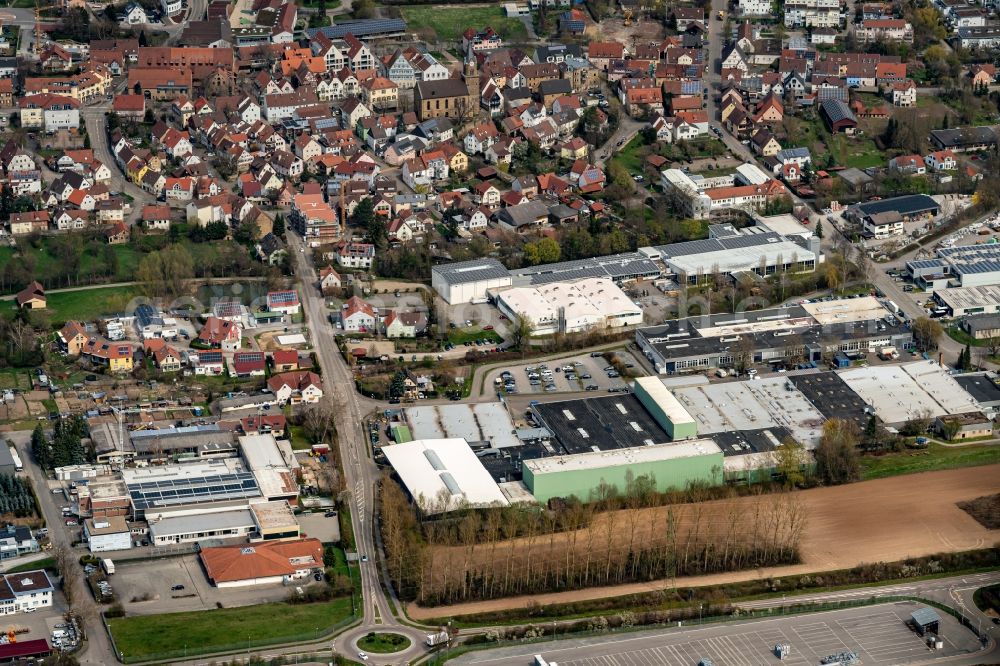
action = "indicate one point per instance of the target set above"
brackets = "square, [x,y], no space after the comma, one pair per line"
[844,526]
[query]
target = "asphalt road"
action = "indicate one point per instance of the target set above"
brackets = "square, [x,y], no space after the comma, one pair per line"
[359,469]
[98,650]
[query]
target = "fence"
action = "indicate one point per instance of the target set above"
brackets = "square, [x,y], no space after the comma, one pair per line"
[550,631]
[234,649]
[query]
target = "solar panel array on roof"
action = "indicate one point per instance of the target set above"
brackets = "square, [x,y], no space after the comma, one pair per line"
[718,244]
[193,489]
[282,297]
[907,205]
[461,272]
[362,28]
[617,267]
[226,309]
[926,263]
[837,110]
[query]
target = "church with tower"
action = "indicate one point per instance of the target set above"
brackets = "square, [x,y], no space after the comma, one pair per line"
[453,98]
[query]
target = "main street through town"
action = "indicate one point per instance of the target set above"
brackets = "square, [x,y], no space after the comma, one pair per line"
[360,472]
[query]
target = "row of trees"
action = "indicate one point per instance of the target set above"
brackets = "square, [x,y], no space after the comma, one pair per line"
[16,496]
[64,447]
[504,551]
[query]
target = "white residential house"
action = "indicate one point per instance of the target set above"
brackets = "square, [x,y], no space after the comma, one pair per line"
[941,160]
[135,14]
[755,8]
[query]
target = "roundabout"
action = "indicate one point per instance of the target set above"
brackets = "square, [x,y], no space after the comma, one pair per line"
[392,645]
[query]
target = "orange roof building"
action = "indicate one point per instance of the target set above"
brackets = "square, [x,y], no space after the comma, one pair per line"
[264,563]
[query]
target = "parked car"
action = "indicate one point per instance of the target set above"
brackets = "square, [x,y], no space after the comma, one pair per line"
[177,588]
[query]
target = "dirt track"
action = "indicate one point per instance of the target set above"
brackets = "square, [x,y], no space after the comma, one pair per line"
[882,520]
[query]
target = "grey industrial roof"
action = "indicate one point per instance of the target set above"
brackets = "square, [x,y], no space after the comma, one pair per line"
[207,522]
[362,28]
[590,424]
[6,459]
[831,396]
[463,272]
[984,322]
[615,266]
[964,136]
[925,616]
[982,389]
[910,204]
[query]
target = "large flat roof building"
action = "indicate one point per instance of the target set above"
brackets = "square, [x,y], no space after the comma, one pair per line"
[696,344]
[753,250]
[196,483]
[443,475]
[587,304]
[623,267]
[468,281]
[671,466]
[962,301]
[898,393]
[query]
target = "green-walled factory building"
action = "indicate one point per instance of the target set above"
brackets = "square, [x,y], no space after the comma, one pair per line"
[671,465]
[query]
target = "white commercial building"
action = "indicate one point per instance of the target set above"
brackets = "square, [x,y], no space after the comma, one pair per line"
[26,591]
[443,475]
[468,281]
[107,534]
[899,393]
[570,307]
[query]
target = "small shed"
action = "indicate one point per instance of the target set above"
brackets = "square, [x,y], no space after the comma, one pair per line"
[925,621]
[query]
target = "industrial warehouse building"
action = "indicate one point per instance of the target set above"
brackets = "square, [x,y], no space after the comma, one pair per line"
[672,466]
[805,332]
[730,252]
[962,301]
[570,307]
[964,266]
[872,214]
[898,393]
[665,408]
[443,475]
[755,252]
[468,281]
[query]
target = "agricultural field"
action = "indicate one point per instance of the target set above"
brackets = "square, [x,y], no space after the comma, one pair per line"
[831,537]
[448,23]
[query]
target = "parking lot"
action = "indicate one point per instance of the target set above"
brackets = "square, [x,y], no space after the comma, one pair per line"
[878,634]
[569,374]
[152,579]
[318,526]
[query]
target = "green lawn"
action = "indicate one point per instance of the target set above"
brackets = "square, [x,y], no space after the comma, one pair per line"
[628,155]
[85,304]
[11,378]
[450,22]
[459,336]
[936,457]
[383,642]
[297,435]
[143,637]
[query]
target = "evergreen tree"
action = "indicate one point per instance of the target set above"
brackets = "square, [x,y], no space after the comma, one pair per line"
[278,229]
[819,230]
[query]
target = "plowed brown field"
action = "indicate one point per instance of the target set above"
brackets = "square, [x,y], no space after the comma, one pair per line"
[882,520]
